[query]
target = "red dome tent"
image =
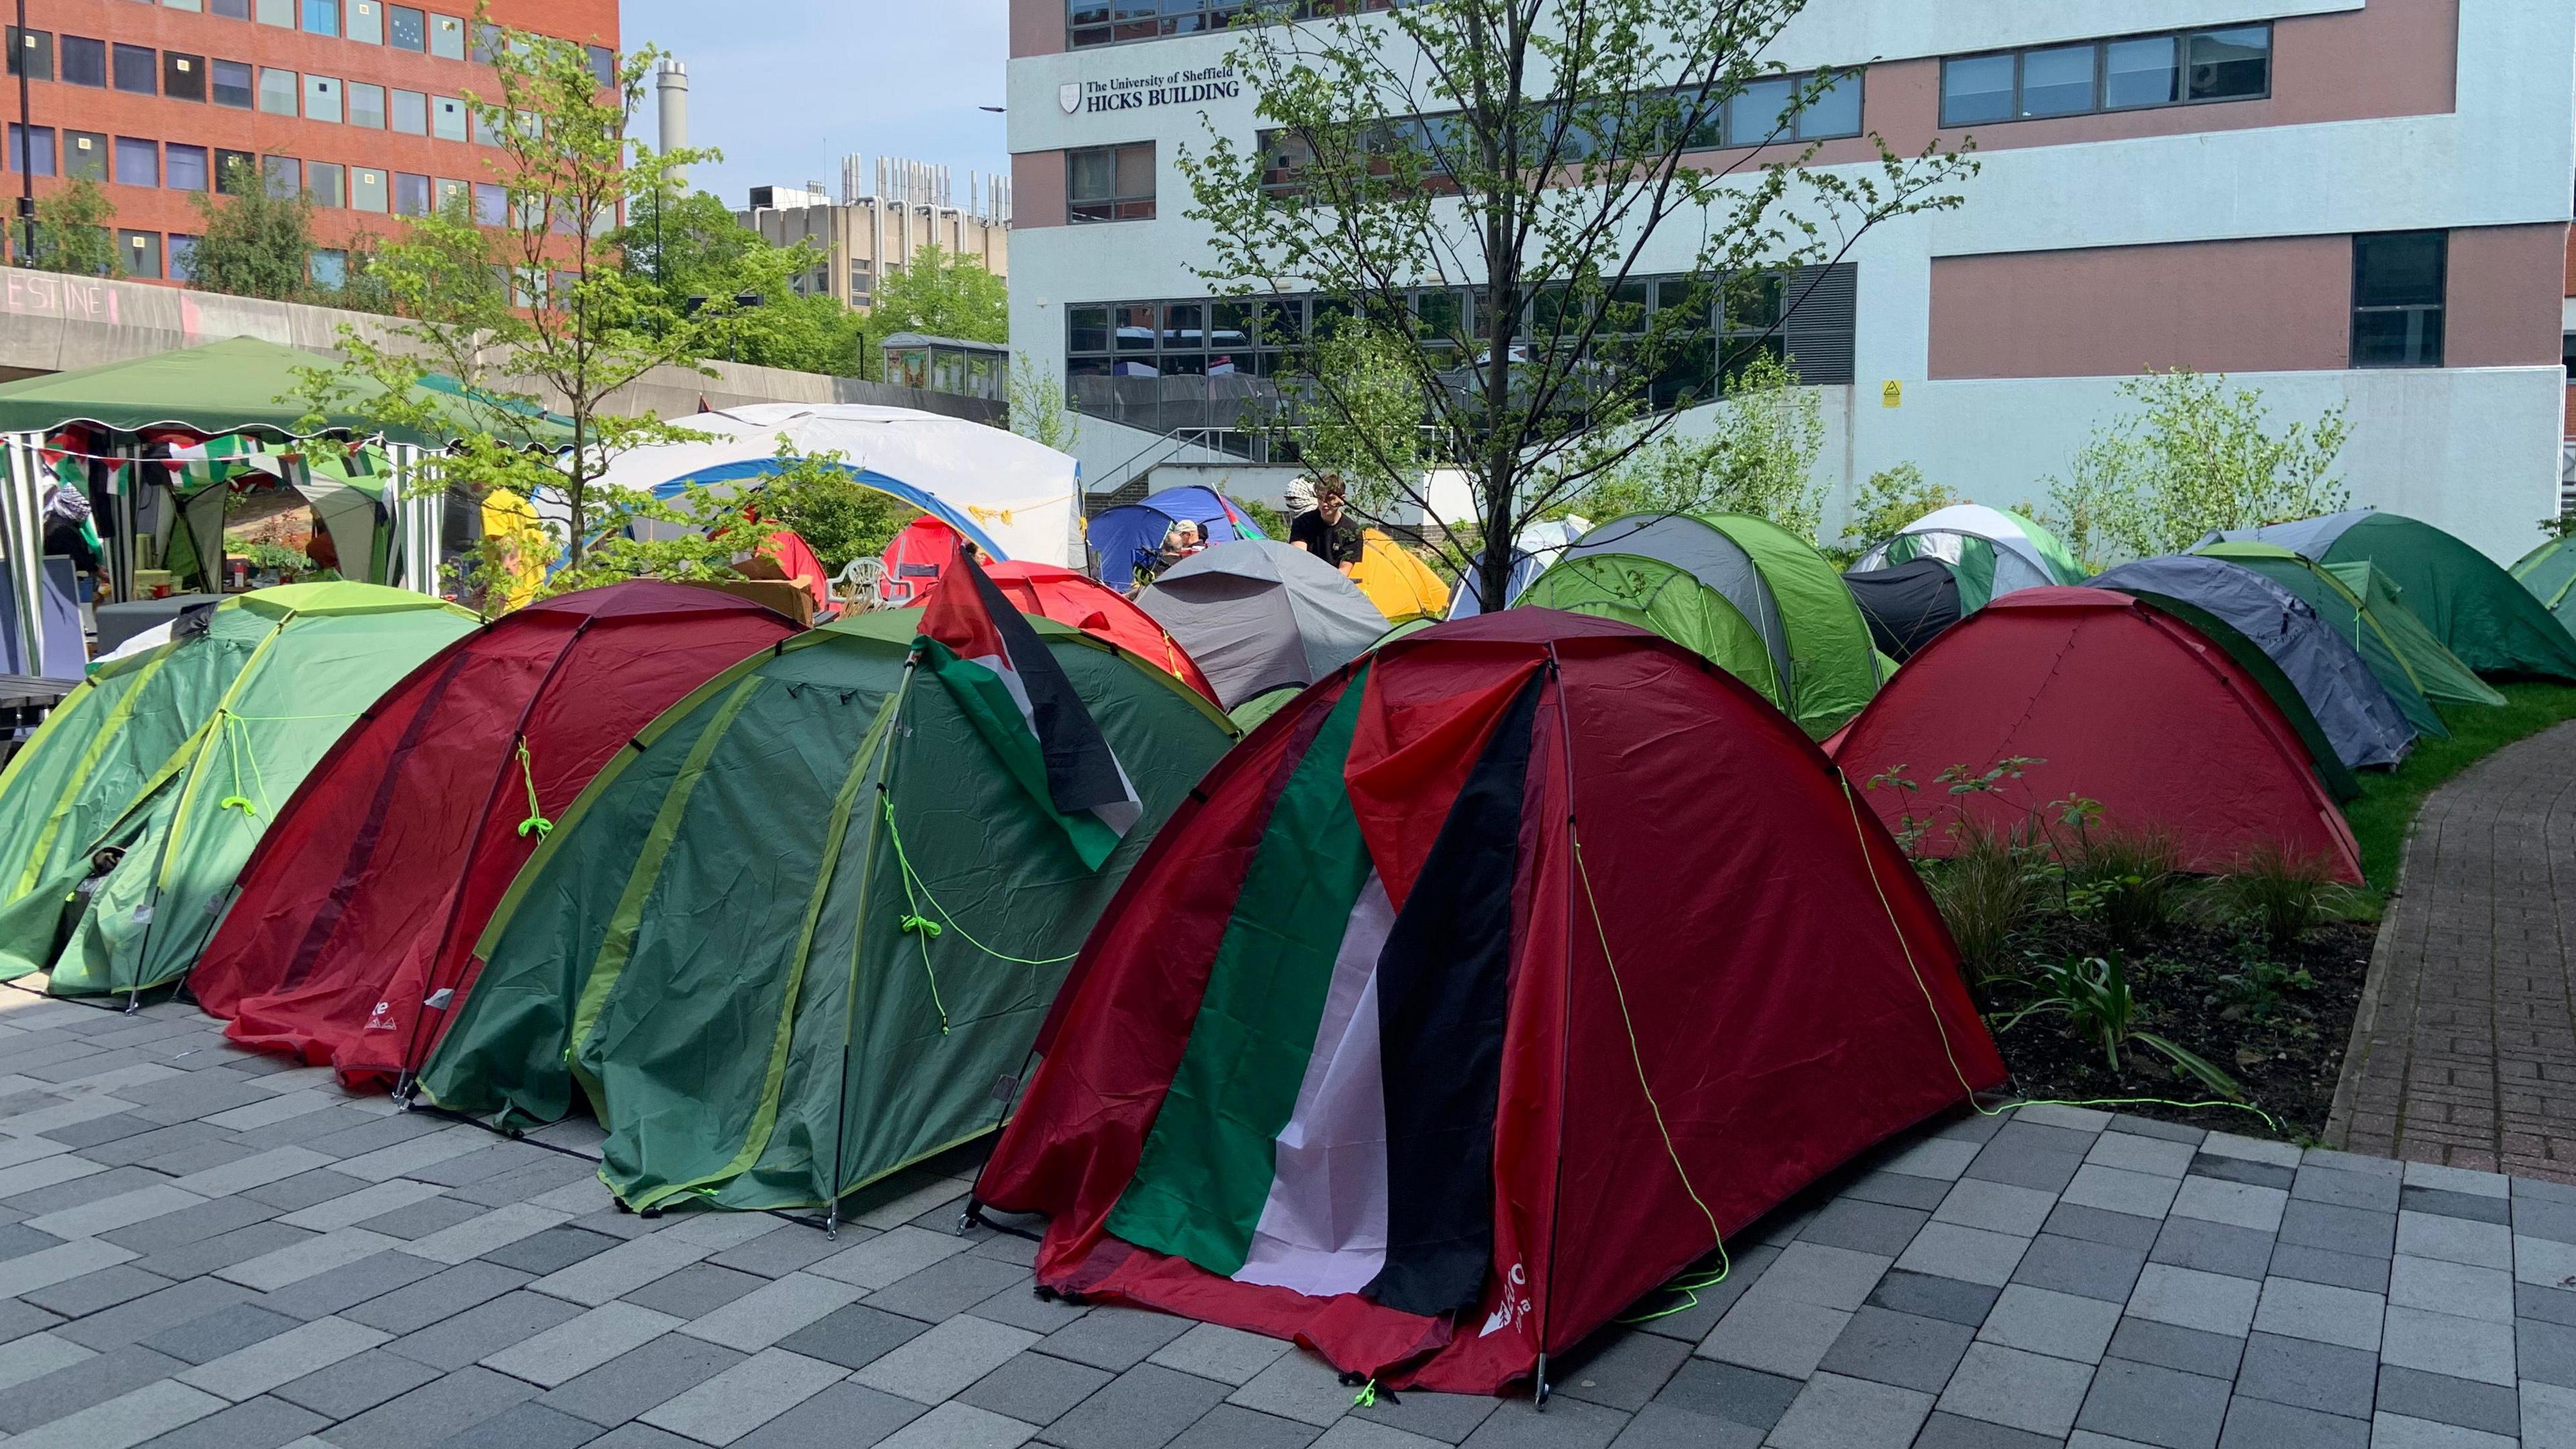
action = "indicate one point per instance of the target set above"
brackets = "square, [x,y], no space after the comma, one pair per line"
[1471,997]
[2109,699]
[365,897]
[914,559]
[1087,604]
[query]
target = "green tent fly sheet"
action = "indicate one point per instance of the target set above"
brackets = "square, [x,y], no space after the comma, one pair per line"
[126,820]
[2549,572]
[2359,603]
[793,939]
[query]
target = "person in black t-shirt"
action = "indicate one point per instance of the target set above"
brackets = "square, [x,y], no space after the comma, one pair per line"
[1329,532]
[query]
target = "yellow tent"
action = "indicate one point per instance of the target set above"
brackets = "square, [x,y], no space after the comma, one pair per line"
[1403,587]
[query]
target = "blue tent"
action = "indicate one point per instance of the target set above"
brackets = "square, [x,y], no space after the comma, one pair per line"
[1126,538]
[2358,718]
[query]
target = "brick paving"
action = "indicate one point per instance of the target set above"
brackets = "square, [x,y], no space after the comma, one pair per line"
[205,1249]
[2466,1056]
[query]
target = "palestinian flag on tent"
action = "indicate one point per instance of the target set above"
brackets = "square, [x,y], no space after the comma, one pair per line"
[1007,682]
[1330,1128]
[218,460]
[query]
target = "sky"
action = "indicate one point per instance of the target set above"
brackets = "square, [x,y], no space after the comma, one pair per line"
[786,88]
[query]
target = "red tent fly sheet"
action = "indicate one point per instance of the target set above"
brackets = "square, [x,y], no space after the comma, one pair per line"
[2105,698]
[1087,604]
[1478,992]
[361,906]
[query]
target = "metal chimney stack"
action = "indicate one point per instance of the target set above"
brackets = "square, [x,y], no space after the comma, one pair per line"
[671,84]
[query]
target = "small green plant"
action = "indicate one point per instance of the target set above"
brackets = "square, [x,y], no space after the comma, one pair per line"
[2093,994]
[270,556]
[2255,987]
[2128,881]
[1986,890]
[2280,893]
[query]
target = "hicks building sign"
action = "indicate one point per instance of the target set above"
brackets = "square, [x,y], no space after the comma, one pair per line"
[1135,93]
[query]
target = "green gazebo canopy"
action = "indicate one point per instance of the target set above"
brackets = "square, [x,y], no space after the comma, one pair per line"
[222,387]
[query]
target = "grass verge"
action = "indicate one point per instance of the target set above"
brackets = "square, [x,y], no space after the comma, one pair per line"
[2389,800]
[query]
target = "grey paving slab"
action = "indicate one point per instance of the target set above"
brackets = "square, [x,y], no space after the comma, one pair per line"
[1036,1389]
[2262,1424]
[854,1336]
[1116,1339]
[433,1413]
[2147,1404]
[641,1379]
[2308,1374]
[356,1384]
[840,1417]
[1146,1407]
[261,1423]
[2442,1399]
[1903,1349]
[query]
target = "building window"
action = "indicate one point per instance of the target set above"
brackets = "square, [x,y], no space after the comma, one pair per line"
[325,184]
[31,52]
[183,77]
[2232,63]
[283,176]
[480,123]
[41,161]
[411,194]
[138,162]
[138,70]
[1110,183]
[321,98]
[491,204]
[183,253]
[447,37]
[84,61]
[410,114]
[367,106]
[236,172]
[85,155]
[230,9]
[487,44]
[277,90]
[330,268]
[367,22]
[280,13]
[406,28]
[232,84]
[367,189]
[322,17]
[141,251]
[447,118]
[185,167]
[2398,282]
[603,63]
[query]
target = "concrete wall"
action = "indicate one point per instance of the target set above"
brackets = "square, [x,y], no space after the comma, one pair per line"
[51,323]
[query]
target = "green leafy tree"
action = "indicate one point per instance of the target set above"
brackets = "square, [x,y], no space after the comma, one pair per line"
[1370,433]
[691,247]
[72,232]
[1543,157]
[941,294]
[1887,501]
[254,242]
[534,312]
[1758,456]
[840,518]
[1038,410]
[2194,453]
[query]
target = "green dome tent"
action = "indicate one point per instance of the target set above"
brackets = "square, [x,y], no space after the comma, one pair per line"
[2549,572]
[1810,650]
[2360,604]
[1664,599]
[125,821]
[1994,552]
[2475,608]
[788,943]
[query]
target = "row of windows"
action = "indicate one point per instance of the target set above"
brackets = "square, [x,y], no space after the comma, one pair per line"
[2136,72]
[241,86]
[133,161]
[1106,22]
[368,22]
[152,255]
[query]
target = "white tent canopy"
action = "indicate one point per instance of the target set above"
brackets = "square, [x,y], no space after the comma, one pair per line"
[1017,500]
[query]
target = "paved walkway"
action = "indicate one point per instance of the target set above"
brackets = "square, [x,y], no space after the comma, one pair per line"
[203,1249]
[2469,1058]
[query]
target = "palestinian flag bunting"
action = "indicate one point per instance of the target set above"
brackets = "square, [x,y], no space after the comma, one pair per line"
[1330,1128]
[1004,678]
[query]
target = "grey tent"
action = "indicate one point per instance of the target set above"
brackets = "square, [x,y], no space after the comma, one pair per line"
[1255,615]
[2359,719]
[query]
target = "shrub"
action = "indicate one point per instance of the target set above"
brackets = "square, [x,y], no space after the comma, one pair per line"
[2129,881]
[2281,894]
[1986,891]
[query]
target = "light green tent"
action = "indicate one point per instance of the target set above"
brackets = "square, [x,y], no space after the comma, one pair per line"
[2549,572]
[2473,607]
[2359,603]
[1991,551]
[165,769]
[1813,655]
[790,942]
[1663,599]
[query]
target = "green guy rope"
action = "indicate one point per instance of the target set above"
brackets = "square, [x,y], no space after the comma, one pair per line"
[536,824]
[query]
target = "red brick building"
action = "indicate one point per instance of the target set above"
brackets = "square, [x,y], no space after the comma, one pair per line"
[358,102]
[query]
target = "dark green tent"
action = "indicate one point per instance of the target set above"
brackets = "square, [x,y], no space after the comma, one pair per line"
[2549,572]
[789,941]
[2359,603]
[2473,606]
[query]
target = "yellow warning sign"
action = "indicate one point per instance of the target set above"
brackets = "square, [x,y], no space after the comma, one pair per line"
[1891,394]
